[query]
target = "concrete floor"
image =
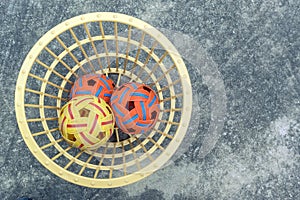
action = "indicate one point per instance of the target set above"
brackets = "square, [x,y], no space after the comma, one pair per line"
[251,48]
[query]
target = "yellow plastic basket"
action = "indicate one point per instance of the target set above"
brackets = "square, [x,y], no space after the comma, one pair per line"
[126,49]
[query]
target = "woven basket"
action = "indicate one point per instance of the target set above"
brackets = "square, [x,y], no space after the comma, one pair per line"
[126,49]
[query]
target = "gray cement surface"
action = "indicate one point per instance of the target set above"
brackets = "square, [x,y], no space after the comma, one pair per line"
[255,47]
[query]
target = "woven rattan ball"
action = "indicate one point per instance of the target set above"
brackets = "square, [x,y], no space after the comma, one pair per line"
[93,84]
[136,108]
[86,122]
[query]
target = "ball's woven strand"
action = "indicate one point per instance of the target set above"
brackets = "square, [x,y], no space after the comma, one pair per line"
[135,107]
[86,122]
[93,84]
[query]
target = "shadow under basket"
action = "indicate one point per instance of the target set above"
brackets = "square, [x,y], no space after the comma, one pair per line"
[125,49]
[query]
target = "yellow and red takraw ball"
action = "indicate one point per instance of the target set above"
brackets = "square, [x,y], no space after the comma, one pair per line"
[86,122]
[135,107]
[93,84]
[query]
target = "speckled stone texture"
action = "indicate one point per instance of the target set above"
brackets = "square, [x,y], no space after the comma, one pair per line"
[255,47]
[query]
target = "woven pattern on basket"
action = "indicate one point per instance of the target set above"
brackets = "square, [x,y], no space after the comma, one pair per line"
[86,122]
[136,108]
[93,84]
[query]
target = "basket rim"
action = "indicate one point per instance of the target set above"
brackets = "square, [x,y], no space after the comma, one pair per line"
[20,97]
